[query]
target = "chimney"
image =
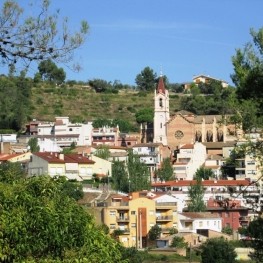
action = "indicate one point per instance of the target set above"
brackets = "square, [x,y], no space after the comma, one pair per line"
[61,156]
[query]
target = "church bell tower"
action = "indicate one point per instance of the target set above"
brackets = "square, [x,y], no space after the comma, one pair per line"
[161,112]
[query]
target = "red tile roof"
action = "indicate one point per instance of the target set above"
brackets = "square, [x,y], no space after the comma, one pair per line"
[199,215]
[161,87]
[68,158]
[181,183]
[187,146]
[6,157]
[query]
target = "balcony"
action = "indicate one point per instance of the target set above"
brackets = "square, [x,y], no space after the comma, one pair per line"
[166,205]
[122,219]
[164,218]
[166,230]
[124,231]
[120,205]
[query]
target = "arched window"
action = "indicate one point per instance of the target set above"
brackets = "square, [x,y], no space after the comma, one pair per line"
[161,125]
[209,136]
[220,136]
[161,102]
[198,136]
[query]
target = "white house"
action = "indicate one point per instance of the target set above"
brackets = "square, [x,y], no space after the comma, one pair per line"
[195,222]
[188,160]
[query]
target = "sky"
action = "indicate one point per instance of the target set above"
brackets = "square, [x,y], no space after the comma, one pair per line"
[178,38]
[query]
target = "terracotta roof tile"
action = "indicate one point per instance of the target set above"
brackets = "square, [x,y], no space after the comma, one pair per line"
[181,183]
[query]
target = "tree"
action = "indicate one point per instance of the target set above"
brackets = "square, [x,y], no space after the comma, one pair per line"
[15,108]
[33,144]
[48,70]
[72,189]
[120,177]
[103,152]
[165,173]
[99,85]
[255,231]
[196,193]
[248,70]
[144,115]
[139,175]
[227,230]
[154,232]
[204,173]
[146,80]
[11,172]
[38,209]
[28,38]
[217,250]
[178,242]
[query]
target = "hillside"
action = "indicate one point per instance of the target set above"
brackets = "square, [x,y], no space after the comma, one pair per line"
[81,103]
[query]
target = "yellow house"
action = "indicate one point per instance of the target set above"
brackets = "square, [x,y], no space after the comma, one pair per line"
[131,217]
[73,166]
[17,157]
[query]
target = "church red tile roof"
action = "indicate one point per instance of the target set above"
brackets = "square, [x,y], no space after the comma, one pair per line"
[161,87]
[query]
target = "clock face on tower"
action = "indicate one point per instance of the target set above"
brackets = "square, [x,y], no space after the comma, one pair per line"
[178,134]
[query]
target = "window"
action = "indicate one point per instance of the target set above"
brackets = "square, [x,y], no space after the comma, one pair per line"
[161,102]
[133,212]
[112,226]
[133,225]
[112,213]
[200,223]
[161,125]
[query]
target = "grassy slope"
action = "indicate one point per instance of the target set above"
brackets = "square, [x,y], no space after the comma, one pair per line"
[83,104]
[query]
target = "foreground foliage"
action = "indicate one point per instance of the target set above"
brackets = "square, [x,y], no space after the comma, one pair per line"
[41,222]
[218,250]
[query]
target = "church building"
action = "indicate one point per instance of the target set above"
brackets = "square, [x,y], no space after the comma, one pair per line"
[186,127]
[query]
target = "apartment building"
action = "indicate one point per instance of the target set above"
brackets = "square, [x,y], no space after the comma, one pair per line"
[133,216]
[62,132]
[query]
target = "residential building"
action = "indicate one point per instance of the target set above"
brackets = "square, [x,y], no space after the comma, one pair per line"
[214,162]
[8,138]
[207,79]
[13,158]
[73,166]
[105,136]
[188,158]
[199,222]
[134,215]
[233,214]
[62,131]
[127,140]
[152,154]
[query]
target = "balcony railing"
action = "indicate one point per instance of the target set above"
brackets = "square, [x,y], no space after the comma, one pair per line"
[124,231]
[164,218]
[123,219]
[166,204]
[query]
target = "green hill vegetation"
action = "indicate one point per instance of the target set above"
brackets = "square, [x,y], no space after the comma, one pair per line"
[82,103]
